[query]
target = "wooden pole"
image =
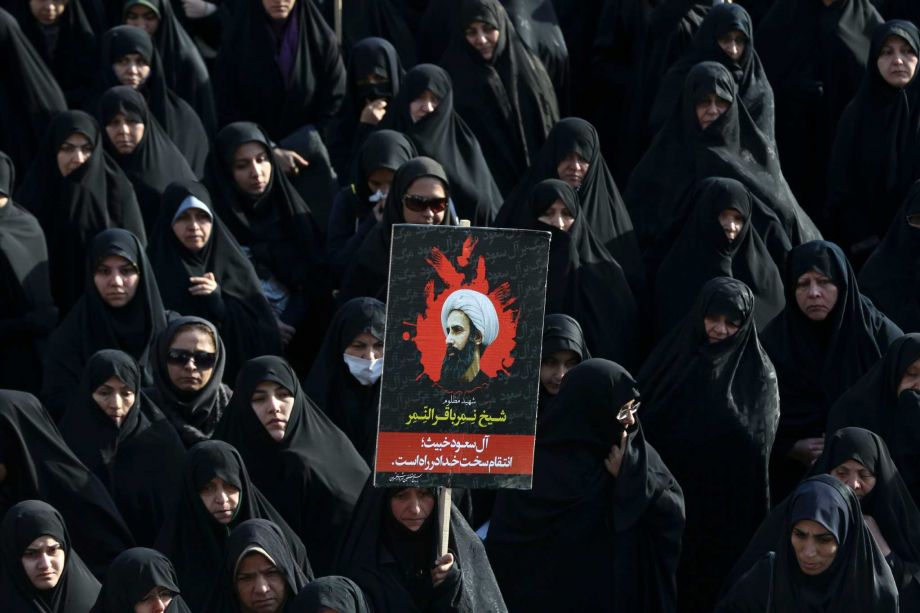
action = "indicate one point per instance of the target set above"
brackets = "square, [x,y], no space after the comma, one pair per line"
[338,21]
[443,520]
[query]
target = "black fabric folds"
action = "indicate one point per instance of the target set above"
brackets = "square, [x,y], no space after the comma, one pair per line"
[712,409]
[132,575]
[393,20]
[93,325]
[73,209]
[139,461]
[620,537]
[333,592]
[41,465]
[313,476]
[76,589]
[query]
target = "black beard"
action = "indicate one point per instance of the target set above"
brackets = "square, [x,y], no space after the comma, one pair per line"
[456,363]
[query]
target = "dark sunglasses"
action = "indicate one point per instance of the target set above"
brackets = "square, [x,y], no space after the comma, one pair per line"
[420,203]
[180,357]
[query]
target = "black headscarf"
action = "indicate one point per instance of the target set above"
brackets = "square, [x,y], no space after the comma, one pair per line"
[155,161]
[445,136]
[601,203]
[333,592]
[620,537]
[176,116]
[392,564]
[858,579]
[40,465]
[753,87]
[507,101]
[238,308]
[279,75]
[195,542]
[891,274]
[817,361]
[73,209]
[28,92]
[27,311]
[350,405]
[255,536]
[132,575]
[183,67]
[876,155]
[392,20]
[194,415]
[560,333]
[139,461]
[76,588]
[93,325]
[368,274]
[313,476]
[703,403]
[683,154]
[703,252]
[584,280]
[874,403]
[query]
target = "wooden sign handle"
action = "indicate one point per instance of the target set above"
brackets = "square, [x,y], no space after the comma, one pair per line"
[337,20]
[443,520]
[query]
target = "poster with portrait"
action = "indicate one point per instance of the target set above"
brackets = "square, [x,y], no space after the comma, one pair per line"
[459,391]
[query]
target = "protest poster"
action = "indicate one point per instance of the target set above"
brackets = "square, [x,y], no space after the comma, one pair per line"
[460,381]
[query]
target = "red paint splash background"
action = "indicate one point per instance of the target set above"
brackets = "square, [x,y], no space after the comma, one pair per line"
[430,337]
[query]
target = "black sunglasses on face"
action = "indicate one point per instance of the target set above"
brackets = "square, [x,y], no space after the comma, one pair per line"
[180,357]
[420,203]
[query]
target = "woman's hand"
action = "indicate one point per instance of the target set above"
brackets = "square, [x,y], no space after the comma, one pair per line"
[287,332]
[374,111]
[614,460]
[807,450]
[442,566]
[202,286]
[289,161]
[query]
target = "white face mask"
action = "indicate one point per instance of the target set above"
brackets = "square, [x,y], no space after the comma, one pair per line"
[377,196]
[365,371]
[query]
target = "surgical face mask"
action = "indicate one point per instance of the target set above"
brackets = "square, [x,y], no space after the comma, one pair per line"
[377,196]
[365,371]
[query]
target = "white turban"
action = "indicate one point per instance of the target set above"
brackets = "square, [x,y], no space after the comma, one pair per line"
[478,308]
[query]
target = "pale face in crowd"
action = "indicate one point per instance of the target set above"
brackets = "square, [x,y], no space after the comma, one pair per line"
[252,168]
[43,562]
[710,108]
[572,169]
[193,229]
[412,506]
[429,188]
[815,547]
[190,376]
[273,405]
[483,37]
[115,398]
[558,216]
[553,368]
[278,9]
[125,133]
[719,327]
[733,43]
[220,499]
[897,61]
[855,476]
[366,346]
[732,222]
[380,180]
[426,103]
[46,12]
[260,585]
[155,601]
[73,153]
[132,69]
[116,279]
[142,17]
[910,380]
[816,295]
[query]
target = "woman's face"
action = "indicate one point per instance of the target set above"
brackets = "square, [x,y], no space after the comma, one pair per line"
[278,9]
[366,346]
[732,222]
[719,327]
[73,153]
[252,168]
[558,216]
[116,280]
[427,202]
[483,37]
[816,295]
[125,133]
[572,169]
[380,181]
[910,380]
[426,103]
[193,229]
[115,398]
[815,548]
[273,404]
[412,506]
[155,601]
[733,44]
[220,499]
[190,360]
[260,584]
[710,108]
[855,476]
[132,69]
[897,61]
[43,562]
[142,17]
[46,12]
[553,368]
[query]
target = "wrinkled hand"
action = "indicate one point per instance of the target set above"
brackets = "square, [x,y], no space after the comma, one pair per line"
[289,161]
[614,459]
[197,9]
[876,533]
[287,332]
[374,111]
[441,568]
[807,450]
[202,286]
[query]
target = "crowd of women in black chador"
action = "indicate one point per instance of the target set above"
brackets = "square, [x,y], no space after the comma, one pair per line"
[196,206]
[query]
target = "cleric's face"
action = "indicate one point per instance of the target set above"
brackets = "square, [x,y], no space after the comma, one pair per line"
[457,330]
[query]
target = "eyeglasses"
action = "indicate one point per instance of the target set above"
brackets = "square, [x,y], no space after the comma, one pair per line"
[628,409]
[420,203]
[180,357]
